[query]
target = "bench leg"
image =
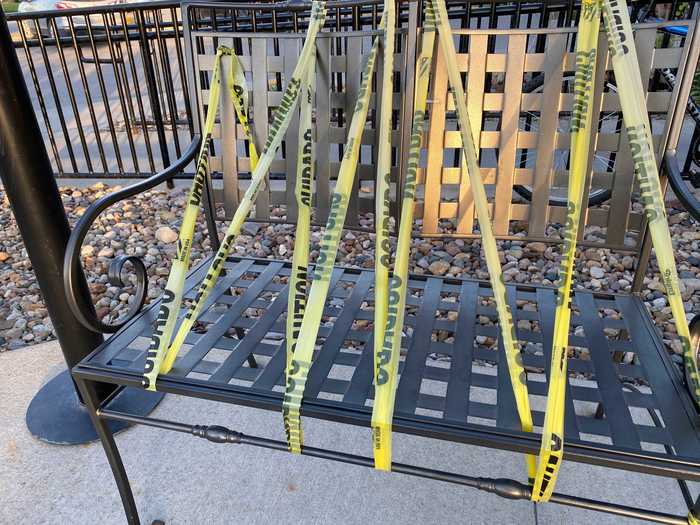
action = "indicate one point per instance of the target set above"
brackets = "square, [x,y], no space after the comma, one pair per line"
[89,394]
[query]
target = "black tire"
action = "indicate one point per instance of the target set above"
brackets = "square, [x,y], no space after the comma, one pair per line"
[694,327]
[695,149]
[681,186]
[595,198]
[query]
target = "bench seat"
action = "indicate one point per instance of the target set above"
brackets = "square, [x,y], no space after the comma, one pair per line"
[627,406]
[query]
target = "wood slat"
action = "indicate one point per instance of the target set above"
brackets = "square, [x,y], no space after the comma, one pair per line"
[509,131]
[475,88]
[292,138]
[229,129]
[621,197]
[548,124]
[436,132]
[355,64]
[323,122]
[260,115]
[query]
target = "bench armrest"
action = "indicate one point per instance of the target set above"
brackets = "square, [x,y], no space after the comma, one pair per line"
[680,188]
[84,311]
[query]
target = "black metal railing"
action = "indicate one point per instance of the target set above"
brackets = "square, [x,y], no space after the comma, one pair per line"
[109,87]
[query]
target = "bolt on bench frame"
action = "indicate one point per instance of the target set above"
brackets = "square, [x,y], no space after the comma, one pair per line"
[633,414]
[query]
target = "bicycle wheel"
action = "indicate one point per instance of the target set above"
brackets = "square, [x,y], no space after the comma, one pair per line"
[602,161]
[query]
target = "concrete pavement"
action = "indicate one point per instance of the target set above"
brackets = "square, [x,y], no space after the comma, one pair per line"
[185,480]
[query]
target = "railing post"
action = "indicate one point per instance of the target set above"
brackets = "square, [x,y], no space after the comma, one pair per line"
[150,75]
[56,413]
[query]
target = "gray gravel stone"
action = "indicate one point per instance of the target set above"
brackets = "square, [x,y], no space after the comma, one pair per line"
[597,272]
[147,226]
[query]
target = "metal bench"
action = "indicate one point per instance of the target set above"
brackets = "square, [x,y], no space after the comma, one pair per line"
[633,413]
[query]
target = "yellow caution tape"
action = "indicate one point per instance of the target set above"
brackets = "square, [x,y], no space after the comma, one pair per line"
[239,95]
[390,301]
[382,224]
[516,371]
[303,354]
[163,363]
[551,449]
[296,301]
[172,296]
[279,126]
[636,119]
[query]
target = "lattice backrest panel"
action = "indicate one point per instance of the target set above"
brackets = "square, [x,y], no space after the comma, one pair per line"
[519,87]
[268,60]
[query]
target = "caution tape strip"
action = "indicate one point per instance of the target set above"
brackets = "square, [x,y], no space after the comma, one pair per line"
[551,448]
[298,369]
[283,116]
[298,284]
[390,300]
[628,76]
[172,295]
[516,371]
[382,262]
[163,356]
[239,95]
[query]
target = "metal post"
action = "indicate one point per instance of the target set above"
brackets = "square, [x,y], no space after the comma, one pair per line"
[56,413]
[149,71]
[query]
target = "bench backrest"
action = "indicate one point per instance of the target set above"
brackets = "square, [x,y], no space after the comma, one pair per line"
[520,94]
[519,85]
[269,59]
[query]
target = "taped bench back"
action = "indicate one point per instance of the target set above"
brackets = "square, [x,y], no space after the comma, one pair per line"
[519,87]
[268,59]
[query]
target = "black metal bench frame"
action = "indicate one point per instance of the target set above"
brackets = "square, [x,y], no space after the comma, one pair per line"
[671,429]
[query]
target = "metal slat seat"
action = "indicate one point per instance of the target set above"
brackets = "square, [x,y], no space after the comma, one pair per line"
[453,381]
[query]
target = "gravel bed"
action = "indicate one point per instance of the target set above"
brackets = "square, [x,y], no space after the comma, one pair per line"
[147,225]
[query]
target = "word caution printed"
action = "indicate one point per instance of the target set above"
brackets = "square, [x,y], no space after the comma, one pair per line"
[297,371]
[382,296]
[298,283]
[388,339]
[551,448]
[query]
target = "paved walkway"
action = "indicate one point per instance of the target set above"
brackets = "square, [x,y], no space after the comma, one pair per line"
[184,480]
